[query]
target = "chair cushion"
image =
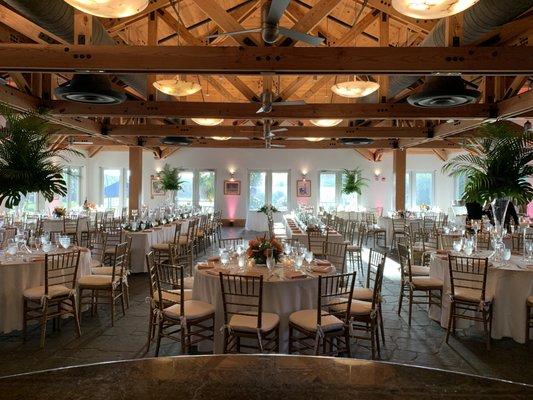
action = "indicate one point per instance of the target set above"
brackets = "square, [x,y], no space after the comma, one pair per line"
[96,280]
[248,323]
[109,250]
[188,282]
[353,247]
[36,293]
[161,246]
[425,282]
[360,307]
[470,295]
[173,296]
[104,270]
[183,240]
[306,319]
[419,270]
[362,294]
[193,309]
[529,301]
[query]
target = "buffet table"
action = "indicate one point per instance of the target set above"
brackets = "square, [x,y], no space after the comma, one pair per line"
[293,231]
[281,295]
[19,275]
[509,285]
[271,377]
[257,221]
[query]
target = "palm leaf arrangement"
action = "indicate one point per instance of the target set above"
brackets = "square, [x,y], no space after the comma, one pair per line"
[497,165]
[170,178]
[353,181]
[28,164]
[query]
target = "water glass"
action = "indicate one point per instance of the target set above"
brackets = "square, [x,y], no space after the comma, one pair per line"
[241,261]
[270,261]
[224,258]
[309,257]
[287,249]
[240,250]
[12,248]
[528,249]
[47,247]
[64,241]
[457,245]
[506,255]
[298,261]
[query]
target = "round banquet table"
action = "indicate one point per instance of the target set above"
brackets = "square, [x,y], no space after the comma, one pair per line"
[270,377]
[257,222]
[508,285]
[281,296]
[17,276]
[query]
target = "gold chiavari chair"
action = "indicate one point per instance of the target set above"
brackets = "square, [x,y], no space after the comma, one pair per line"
[325,328]
[242,299]
[186,321]
[365,315]
[429,225]
[373,229]
[398,229]
[317,241]
[59,292]
[517,240]
[446,241]
[355,250]
[8,233]
[376,260]
[335,253]
[70,228]
[163,249]
[411,284]
[112,237]
[230,243]
[106,288]
[468,281]
[483,241]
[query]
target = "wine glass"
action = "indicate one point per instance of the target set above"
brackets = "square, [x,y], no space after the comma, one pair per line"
[12,248]
[287,249]
[224,257]
[47,247]
[241,261]
[457,245]
[309,256]
[270,261]
[298,261]
[239,250]
[64,241]
[506,256]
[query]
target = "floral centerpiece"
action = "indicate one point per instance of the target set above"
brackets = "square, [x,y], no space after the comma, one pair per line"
[269,210]
[424,207]
[59,212]
[257,249]
[88,206]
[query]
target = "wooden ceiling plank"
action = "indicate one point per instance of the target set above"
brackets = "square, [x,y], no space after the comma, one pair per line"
[117,24]
[421,25]
[184,33]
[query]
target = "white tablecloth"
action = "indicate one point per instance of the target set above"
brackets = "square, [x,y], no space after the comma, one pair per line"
[256,221]
[17,277]
[297,233]
[280,297]
[142,241]
[509,287]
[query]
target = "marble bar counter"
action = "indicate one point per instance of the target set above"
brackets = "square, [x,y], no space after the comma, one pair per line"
[254,377]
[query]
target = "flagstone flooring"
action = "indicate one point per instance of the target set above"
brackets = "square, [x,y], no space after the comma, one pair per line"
[421,344]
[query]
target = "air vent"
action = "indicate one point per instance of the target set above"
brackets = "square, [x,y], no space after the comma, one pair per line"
[176,141]
[356,141]
[93,89]
[443,91]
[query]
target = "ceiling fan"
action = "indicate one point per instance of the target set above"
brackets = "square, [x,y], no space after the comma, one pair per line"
[267,104]
[269,134]
[270,29]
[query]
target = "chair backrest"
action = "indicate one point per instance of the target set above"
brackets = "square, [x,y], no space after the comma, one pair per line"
[169,283]
[446,241]
[8,233]
[398,225]
[468,273]
[431,243]
[375,259]
[228,243]
[191,229]
[518,241]
[336,254]
[152,274]
[97,245]
[316,240]
[177,232]
[334,294]
[483,241]
[378,280]
[113,237]
[349,231]
[404,257]
[61,269]
[429,224]
[242,295]
[119,261]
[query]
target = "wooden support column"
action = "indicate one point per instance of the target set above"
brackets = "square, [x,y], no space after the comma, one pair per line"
[399,164]
[135,185]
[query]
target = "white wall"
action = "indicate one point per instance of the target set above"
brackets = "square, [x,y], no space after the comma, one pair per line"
[378,193]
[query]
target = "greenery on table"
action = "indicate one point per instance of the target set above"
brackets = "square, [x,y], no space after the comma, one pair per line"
[170,178]
[353,181]
[267,209]
[496,165]
[257,249]
[28,163]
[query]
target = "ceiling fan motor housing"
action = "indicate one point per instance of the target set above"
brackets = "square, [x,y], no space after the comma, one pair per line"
[443,91]
[90,88]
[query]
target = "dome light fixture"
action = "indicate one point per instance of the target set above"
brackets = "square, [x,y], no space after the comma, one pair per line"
[110,8]
[221,138]
[208,121]
[431,9]
[354,89]
[177,87]
[314,139]
[325,123]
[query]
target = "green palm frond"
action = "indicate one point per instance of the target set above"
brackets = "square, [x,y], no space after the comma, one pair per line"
[170,178]
[353,181]
[28,164]
[497,165]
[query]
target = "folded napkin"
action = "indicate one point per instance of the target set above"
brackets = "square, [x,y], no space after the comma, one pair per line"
[291,274]
[214,259]
[204,265]
[321,268]
[324,263]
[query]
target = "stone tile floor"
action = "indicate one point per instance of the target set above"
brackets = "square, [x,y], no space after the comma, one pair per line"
[421,344]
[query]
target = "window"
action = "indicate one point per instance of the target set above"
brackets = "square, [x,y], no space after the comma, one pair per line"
[72,177]
[347,201]
[198,189]
[206,190]
[29,203]
[268,187]
[111,179]
[185,194]
[418,189]
[459,183]
[328,190]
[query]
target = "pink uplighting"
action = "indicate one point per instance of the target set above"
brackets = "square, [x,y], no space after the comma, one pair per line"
[231,206]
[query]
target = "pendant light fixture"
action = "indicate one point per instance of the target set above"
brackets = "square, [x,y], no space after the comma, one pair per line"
[355,89]
[431,9]
[221,138]
[208,121]
[325,123]
[177,87]
[110,8]
[314,139]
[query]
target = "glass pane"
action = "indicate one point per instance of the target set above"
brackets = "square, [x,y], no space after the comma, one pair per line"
[460,182]
[73,188]
[348,201]
[423,188]
[407,191]
[185,194]
[28,203]
[327,190]
[111,187]
[257,190]
[280,190]
[207,190]
[127,189]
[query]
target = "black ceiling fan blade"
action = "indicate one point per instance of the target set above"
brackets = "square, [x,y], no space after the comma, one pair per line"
[277,8]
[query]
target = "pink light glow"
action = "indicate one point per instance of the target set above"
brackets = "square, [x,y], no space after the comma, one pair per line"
[231,205]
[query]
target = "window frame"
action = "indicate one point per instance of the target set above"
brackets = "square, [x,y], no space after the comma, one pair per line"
[412,187]
[195,201]
[123,200]
[68,177]
[339,174]
[268,187]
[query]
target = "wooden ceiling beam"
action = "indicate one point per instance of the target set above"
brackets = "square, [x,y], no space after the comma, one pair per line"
[117,24]
[248,110]
[256,60]
[419,25]
[257,131]
[178,26]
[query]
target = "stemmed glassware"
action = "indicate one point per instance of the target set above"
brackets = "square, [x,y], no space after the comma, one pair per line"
[239,250]
[309,256]
[64,241]
[270,262]
[299,260]
[224,257]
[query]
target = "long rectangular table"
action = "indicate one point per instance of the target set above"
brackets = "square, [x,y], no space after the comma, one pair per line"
[301,235]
